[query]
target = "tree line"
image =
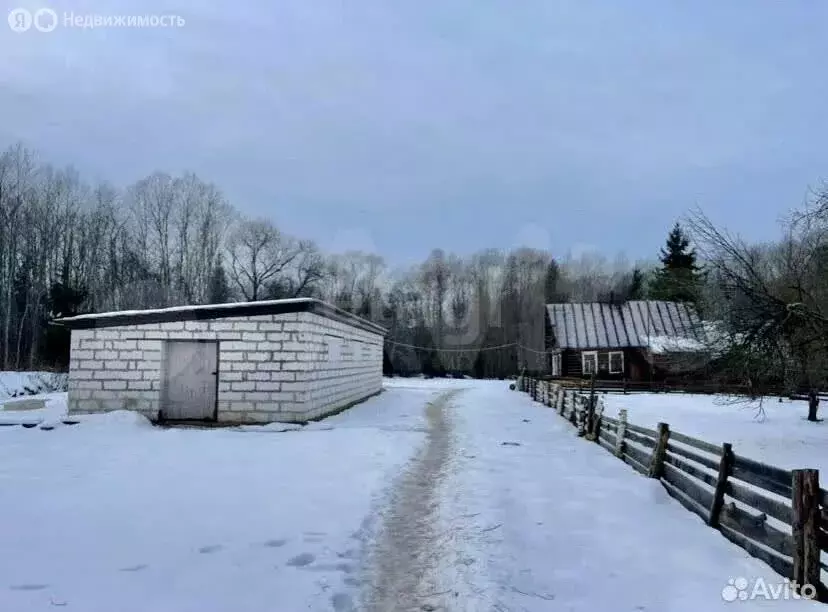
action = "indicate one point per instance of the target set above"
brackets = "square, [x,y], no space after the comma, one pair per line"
[68,246]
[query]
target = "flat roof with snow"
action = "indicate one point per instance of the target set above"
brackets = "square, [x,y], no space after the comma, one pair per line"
[218,311]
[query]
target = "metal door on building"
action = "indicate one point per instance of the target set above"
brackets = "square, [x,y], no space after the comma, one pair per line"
[190,380]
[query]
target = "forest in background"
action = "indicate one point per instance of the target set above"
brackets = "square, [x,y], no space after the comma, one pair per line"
[69,247]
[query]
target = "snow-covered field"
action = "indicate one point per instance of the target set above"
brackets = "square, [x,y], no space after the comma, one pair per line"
[779,434]
[114,514]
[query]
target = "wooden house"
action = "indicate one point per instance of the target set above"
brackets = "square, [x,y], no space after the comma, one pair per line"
[634,340]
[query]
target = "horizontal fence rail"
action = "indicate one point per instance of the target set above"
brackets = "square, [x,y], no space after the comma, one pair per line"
[779,516]
[680,386]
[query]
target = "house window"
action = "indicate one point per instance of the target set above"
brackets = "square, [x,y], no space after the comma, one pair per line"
[616,362]
[556,364]
[589,362]
[603,362]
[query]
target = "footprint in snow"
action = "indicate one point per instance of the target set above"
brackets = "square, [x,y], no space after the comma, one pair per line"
[275,543]
[206,550]
[314,536]
[342,602]
[28,587]
[301,560]
[134,568]
[345,568]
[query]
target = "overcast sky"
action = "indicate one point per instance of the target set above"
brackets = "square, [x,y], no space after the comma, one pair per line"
[402,125]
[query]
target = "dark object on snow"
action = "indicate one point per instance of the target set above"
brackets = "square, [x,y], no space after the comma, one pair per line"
[29,425]
[510,443]
[526,421]
[69,422]
[47,427]
[512,387]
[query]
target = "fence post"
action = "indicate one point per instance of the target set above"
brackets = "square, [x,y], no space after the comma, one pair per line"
[725,467]
[595,432]
[657,461]
[596,429]
[561,400]
[573,402]
[621,433]
[806,518]
[590,416]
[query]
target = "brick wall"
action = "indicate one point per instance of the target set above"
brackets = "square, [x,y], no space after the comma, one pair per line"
[286,367]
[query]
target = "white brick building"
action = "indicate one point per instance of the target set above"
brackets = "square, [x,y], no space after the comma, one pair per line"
[256,362]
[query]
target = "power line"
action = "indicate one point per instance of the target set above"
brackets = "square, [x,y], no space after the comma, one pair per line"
[470,349]
[458,350]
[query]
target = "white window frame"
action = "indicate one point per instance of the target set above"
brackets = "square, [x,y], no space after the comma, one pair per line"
[611,353]
[556,364]
[594,356]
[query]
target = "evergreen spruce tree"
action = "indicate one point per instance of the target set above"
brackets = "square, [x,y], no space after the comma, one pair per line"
[219,289]
[635,289]
[679,279]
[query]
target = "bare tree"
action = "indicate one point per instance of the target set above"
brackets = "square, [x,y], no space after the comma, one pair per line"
[775,300]
[258,253]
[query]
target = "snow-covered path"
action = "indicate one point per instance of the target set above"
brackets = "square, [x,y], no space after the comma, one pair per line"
[402,569]
[437,495]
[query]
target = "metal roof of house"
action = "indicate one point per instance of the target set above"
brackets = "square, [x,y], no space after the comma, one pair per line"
[218,311]
[633,324]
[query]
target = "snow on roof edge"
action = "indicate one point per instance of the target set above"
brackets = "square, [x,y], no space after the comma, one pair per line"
[193,308]
[311,304]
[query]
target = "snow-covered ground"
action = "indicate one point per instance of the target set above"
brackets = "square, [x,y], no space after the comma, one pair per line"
[778,434]
[558,523]
[467,494]
[52,413]
[114,514]
[18,384]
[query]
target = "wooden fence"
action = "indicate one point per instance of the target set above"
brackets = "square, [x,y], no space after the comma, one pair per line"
[776,515]
[682,386]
